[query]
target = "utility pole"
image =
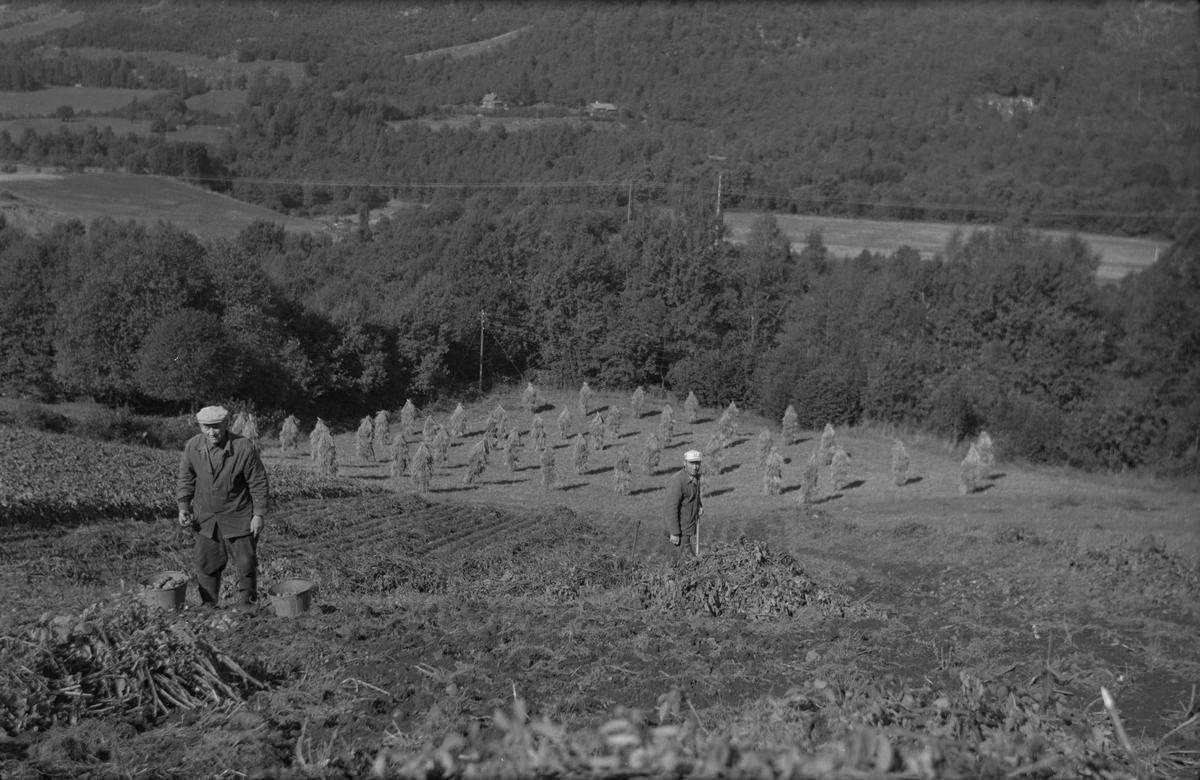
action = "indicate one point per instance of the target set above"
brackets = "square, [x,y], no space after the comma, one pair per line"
[481,320]
[629,203]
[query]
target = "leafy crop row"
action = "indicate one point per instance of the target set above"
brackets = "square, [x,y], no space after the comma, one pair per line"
[48,478]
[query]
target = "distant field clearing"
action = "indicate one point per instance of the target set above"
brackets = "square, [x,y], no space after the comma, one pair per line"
[38,202]
[44,102]
[849,237]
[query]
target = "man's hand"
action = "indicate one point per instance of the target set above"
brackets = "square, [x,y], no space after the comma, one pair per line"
[675,538]
[185,518]
[256,525]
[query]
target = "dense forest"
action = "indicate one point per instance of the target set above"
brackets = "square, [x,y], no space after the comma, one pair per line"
[1008,330]
[1071,115]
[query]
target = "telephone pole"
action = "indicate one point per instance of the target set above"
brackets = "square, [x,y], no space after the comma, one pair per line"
[481,321]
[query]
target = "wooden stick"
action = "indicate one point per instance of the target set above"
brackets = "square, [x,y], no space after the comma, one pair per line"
[1118,728]
[633,549]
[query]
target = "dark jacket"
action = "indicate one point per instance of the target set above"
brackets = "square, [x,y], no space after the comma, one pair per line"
[683,505]
[227,493]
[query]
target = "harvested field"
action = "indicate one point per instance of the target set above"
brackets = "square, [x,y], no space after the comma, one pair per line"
[40,24]
[849,237]
[494,628]
[37,204]
[44,102]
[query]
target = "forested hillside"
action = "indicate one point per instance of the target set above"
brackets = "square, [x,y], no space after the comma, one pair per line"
[1050,114]
[1008,331]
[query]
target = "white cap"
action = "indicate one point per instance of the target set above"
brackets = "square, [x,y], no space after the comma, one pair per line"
[692,455]
[212,415]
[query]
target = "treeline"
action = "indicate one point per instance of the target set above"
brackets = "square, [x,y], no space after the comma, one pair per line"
[25,67]
[1077,116]
[91,148]
[1007,331]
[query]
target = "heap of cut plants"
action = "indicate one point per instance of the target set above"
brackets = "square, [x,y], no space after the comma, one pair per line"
[111,660]
[739,578]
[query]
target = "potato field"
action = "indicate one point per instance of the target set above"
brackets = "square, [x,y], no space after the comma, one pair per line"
[484,620]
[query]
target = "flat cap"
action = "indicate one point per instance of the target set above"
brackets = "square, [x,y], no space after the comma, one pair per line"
[692,456]
[211,415]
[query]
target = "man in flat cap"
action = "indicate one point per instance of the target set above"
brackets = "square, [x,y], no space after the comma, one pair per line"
[683,508]
[223,497]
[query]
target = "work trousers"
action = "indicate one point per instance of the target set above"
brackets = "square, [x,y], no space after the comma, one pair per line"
[211,557]
[687,547]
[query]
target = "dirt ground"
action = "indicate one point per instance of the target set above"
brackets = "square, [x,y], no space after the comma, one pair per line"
[434,611]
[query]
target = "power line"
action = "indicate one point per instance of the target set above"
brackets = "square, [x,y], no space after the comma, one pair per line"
[623,184]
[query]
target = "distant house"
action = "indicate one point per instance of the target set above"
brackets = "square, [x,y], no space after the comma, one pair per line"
[601,110]
[491,103]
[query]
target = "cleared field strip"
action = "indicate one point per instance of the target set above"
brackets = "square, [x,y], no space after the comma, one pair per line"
[200,66]
[141,198]
[467,49]
[849,237]
[44,102]
[24,30]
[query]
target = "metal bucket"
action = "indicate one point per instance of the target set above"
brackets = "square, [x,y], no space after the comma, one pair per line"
[291,597]
[167,598]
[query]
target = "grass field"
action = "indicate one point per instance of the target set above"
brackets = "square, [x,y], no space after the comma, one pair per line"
[849,237]
[37,203]
[204,67]
[509,123]
[44,102]
[468,49]
[219,101]
[880,631]
[38,26]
